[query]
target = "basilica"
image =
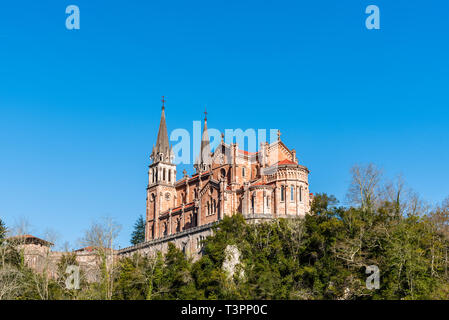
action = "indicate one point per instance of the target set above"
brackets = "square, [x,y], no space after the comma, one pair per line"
[266,184]
[262,185]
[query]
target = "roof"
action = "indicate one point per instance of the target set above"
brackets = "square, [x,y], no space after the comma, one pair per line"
[285,162]
[89,248]
[247,152]
[178,208]
[28,239]
[193,176]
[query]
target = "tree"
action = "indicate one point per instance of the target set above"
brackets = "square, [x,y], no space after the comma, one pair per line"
[138,234]
[363,190]
[100,238]
[10,276]
[21,227]
[177,282]
[139,277]
[2,230]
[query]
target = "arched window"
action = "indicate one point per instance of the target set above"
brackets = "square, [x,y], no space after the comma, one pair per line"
[300,194]
[268,201]
[163,177]
[253,202]
[292,193]
[208,208]
[222,173]
[169,175]
[282,193]
[215,206]
[243,172]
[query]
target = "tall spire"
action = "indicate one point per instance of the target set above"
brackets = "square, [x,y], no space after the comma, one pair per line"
[162,150]
[204,160]
[163,103]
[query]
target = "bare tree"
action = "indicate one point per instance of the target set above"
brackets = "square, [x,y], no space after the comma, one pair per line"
[297,230]
[47,266]
[101,237]
[65,247]
[10,275]
[415,205]
[51,235]
[439,222]
[10,282]
[22,226]
[363,190]
[394,192]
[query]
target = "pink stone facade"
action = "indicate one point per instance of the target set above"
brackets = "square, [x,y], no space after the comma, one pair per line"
[270,183]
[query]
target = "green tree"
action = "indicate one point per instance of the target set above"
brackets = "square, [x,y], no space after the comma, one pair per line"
[176,281]
[139,277]
[138,234]
[2,230]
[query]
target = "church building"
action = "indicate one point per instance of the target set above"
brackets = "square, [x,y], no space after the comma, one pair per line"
[266,184]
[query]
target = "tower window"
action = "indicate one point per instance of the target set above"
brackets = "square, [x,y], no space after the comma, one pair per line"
[243,172]
[292,193]
[253,202]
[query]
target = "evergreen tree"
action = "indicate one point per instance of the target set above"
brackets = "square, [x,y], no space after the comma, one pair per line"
[138,234]
[2,230]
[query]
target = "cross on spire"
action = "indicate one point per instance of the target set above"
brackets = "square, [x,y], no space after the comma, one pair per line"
[205,113]
[163,102]
[279,134]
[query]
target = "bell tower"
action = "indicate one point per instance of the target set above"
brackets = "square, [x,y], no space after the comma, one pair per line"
[161,192]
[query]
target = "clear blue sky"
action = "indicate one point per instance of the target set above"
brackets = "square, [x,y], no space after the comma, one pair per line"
[79,110]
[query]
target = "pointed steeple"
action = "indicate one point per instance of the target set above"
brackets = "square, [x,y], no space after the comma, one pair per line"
[162,150]
[204,160]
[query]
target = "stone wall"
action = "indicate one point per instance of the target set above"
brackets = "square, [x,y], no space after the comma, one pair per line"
[189,241]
